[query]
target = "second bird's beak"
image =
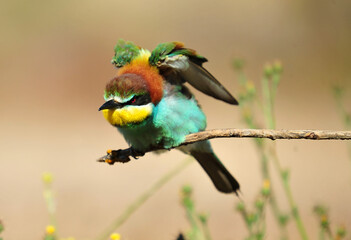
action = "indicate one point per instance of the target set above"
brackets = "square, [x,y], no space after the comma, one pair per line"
[111,104]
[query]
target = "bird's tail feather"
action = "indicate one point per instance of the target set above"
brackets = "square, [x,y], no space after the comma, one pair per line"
[220,176]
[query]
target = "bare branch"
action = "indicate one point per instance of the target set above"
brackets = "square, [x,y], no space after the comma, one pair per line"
[123,155]
[268,133]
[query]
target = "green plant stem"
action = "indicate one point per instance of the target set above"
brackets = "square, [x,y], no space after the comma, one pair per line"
[286,186]
[272,199]
[261,224]
[264,164]
[325,233]
[274,87]
[269,99]
[342,111]
[193,219]
[260,145]
[321,235]
[245,215]
[242,78]
[206,231]
[142,198]
[269,89]
[268,103]
[196,232]
[49,197]
[344,115]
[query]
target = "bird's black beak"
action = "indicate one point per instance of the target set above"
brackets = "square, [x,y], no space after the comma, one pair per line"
[110,105]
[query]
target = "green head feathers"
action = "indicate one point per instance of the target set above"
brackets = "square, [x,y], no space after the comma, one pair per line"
[125,52]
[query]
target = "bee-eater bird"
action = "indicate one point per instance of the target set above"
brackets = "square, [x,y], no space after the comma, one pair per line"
[149,104]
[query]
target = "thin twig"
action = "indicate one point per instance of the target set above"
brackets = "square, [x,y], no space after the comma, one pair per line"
[268,133]
[123,155]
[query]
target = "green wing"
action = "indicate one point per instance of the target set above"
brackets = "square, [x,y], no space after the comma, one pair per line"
[171,49]
[176,62]
[125,52]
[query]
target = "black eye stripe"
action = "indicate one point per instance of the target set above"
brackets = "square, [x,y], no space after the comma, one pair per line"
[139,100]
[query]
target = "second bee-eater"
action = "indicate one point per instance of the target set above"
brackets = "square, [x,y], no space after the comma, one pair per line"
[149,104]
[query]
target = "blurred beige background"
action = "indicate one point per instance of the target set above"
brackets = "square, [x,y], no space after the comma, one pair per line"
[55,61]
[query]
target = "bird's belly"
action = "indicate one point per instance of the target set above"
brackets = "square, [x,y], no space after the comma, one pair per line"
[142,137]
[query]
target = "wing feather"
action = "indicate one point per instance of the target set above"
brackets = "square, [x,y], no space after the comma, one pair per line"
[203,81]
[176,62]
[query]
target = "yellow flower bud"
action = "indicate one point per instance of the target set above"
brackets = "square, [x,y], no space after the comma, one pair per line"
[324,220]
[266,189]
[115,236]
[277,66]
[50,230]
[47,178]
[250,88]
[341,232]
[266,184]
[268,70]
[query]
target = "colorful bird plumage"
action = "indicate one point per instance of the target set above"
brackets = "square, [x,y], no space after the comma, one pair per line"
[150,105]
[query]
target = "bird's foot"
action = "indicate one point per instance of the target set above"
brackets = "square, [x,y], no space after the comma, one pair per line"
[135,153]
[121,155]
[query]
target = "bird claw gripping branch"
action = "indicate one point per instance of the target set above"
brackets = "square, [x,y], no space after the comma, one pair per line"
[120,155]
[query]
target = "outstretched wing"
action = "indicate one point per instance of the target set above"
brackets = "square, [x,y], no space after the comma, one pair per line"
[177,62]
[125,52]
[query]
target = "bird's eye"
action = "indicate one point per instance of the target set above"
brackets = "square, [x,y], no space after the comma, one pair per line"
[139,100]
[133,101]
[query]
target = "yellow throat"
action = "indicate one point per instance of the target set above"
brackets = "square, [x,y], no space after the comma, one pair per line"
[127,115]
